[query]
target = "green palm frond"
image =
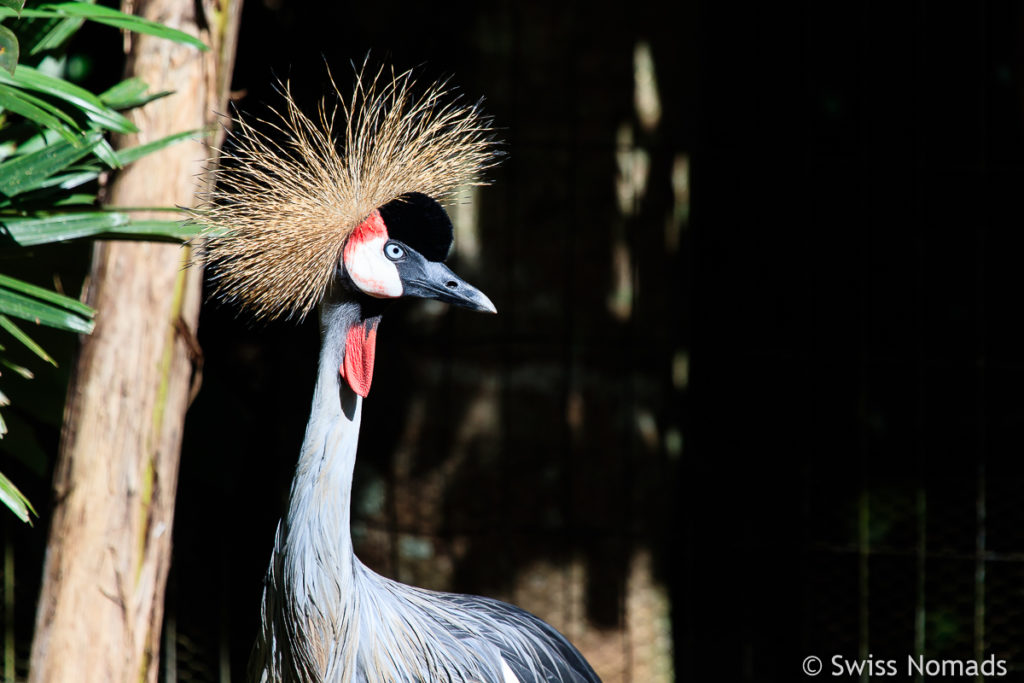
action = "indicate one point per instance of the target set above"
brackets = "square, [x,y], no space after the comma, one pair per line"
[53,149]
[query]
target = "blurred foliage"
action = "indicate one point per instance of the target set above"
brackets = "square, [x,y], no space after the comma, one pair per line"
[53,153]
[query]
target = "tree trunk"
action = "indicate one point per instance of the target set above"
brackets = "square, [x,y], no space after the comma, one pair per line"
[109,548]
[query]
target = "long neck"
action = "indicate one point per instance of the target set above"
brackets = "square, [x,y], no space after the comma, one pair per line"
[309,595]
[319,544]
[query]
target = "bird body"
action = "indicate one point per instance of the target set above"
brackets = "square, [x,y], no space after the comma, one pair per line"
[327,617]
[373,231]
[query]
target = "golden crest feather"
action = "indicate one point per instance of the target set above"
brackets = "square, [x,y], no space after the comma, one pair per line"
[276,222]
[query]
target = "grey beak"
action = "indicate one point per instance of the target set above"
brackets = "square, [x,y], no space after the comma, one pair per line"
[435,280]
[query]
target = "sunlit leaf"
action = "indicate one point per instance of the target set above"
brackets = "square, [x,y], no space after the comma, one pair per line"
[46,106]
[107,154]
[15,5]
[30,171]
[53,192]
[127,90]
[23,137]
[82,199]
[15,500]
[47,295]
[30,343]
[62,227]
[21,103]
[56,34]
[130,93]
[127,156]
[9,49]
[127,22]
[42,313]
[71,179]
[17,369]
[178,231]
[30,79]
[30,231]
[111,17]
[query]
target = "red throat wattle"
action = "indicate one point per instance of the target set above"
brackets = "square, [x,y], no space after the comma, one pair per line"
[360,348]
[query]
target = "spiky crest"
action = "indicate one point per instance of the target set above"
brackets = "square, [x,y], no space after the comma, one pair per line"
[281,210]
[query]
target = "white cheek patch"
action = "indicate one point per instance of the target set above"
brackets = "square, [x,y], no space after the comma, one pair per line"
[366,264]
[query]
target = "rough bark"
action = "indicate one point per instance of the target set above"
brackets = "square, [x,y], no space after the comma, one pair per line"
[109,548]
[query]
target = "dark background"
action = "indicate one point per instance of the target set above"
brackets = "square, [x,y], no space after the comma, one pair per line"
[762,398]
[843,292]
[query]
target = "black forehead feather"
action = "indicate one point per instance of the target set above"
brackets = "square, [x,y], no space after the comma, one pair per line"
[420,222]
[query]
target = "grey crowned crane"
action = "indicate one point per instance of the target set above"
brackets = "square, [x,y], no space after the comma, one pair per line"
[343,215]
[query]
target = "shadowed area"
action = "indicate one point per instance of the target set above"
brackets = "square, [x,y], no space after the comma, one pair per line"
[702,441]
[725,429]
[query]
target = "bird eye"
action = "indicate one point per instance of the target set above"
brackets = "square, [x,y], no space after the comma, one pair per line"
[394,251]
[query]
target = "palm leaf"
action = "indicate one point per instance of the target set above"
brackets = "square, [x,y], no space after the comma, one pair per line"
[108,16]
[30,171]
[42,313]
[15,499]
[38,111]
[29,79]
[130,154]
[47,295]
[130,93]
[34,230]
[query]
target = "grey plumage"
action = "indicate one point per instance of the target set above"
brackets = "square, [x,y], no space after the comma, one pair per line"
[327,617]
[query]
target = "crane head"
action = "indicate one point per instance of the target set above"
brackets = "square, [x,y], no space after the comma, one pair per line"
[399,250]
[351,191]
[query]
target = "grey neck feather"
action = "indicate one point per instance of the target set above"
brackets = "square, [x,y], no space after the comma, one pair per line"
[326,617]
[322,488]
[307,601]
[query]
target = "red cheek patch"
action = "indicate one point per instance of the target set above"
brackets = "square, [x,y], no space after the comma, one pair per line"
[360,349]
[370,229]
